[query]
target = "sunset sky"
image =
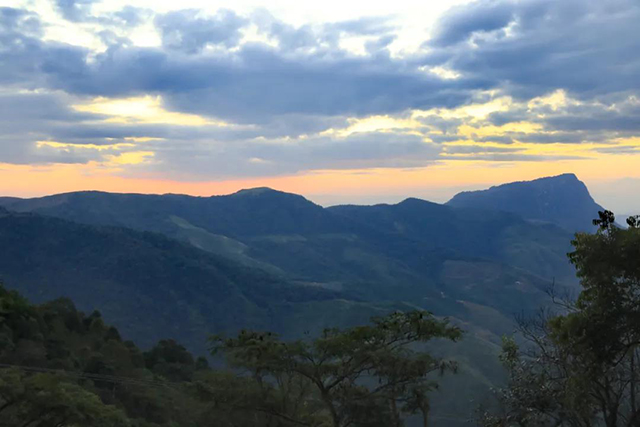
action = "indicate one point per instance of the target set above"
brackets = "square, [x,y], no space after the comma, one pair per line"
[341,101]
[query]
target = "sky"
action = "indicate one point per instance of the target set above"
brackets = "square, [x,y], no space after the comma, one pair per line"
[341,101]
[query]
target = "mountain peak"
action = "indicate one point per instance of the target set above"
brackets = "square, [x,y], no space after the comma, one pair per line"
[561,199]
[259,194]
[414,201]
[254,191]
[565,178]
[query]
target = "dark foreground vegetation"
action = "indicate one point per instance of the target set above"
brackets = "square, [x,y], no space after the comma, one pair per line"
[60,367]
[63,368]
[581,368]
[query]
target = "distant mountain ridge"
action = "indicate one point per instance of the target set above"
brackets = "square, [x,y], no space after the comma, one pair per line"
[562,199]
[286,232]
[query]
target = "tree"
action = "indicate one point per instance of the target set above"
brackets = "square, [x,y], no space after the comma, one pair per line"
[579,368]
[48,400]
[362,376]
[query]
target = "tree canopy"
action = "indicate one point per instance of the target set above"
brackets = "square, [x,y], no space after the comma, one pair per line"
[60,367]
[365,376]
[580,367]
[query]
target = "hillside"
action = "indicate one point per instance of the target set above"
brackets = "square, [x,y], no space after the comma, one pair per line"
[60,365]
[109,382]
[562,199]
[153,288]
[150,286]
[494,235]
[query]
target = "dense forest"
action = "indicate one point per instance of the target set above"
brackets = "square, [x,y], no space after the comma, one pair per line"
[575,364]
[61,367]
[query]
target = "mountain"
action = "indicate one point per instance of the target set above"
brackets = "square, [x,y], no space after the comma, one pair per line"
[164,266]
[289,235]
[562,199]
[495,235]
[150,286]
[368,253]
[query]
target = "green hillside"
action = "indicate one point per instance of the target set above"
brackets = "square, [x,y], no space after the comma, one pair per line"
[154,288]
[150,286]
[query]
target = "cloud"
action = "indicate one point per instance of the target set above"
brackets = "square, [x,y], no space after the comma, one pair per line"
[80,11]
[188,31]
[42,128]
[255,82]
[533,47]
[20,32]
[289,94]
[75,10]
[479,149]
[462,23]
[323,39]
[515,157]
[619,149]
[248,85]
[210,160]
[621,116]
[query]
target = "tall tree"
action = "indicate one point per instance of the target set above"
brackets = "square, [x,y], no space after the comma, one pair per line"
[362,376]
[580,368]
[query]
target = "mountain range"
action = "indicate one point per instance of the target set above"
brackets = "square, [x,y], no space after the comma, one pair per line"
[176,266]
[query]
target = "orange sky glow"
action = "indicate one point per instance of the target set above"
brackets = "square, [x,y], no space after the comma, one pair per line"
[437,182]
